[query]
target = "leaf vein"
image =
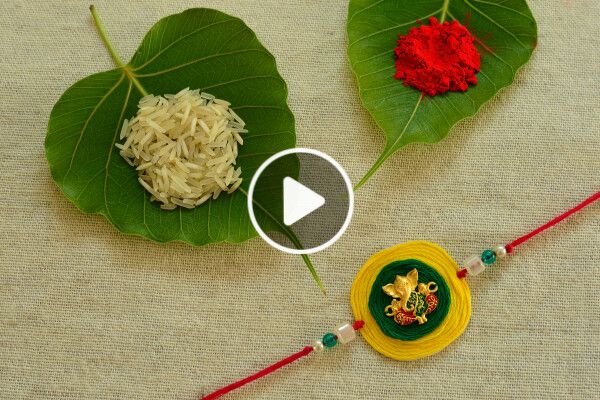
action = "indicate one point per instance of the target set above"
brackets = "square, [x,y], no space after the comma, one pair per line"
[373,57]
[414,112]
[225,42]
[71,112]
[162,50]
[247,78]
[389,29]
[111,148]
[375,72]
[442,112]
[87,121]
[212,56]
[254,154]
[260,106]
[229,216]
[87,184]
[152,235]
[491,81]
[374,105]
[495,23]
[208,219]
[493,53]
[183,234]
[248,137]
[365,8]
[506,8]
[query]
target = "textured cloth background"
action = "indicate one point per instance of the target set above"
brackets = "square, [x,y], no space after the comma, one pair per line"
[87,313]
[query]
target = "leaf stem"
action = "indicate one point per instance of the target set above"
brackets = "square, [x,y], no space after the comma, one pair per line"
[294,239]
[292,236]
[314,273]
[390,148]
[444,11]
[372,170]
[104,37]
[137,83]
[113,53]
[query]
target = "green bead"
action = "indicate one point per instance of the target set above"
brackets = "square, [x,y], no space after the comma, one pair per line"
[329,340]
[488,257]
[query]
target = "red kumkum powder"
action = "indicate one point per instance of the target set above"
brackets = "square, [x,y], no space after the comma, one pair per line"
[436,58]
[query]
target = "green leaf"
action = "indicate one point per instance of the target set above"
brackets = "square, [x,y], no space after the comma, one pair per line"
[198,48]
[506,33]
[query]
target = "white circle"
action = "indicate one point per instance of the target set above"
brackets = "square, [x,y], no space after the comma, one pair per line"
[317,153]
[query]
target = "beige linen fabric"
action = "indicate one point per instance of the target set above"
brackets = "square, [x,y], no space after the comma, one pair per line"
[87,313]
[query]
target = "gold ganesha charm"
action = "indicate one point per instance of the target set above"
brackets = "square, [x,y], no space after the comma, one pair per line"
[412,300]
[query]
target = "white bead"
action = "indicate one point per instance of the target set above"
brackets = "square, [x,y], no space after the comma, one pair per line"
[474,265]
[500,251]
[345,333]
[318,346]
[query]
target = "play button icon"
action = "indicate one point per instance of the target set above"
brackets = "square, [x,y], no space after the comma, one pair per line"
[300,201]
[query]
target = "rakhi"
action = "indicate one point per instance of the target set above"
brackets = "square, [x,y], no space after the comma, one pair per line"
[409,301]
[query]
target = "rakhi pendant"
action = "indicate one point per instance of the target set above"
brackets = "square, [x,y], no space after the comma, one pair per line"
[409,301]
[431,305]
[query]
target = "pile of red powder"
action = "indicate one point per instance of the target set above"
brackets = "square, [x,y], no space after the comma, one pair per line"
[436,58]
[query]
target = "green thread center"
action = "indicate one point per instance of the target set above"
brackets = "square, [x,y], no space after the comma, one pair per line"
[378,300]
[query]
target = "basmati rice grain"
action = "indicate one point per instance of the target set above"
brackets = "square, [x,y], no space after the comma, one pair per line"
[144,166]
[184,147]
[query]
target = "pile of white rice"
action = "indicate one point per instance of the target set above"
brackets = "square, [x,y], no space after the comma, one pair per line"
[184,147]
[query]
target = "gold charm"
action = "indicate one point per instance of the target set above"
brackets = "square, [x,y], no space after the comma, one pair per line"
[416,300]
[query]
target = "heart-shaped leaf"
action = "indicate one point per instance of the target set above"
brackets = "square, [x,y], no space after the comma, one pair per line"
[506,36]
[198,48]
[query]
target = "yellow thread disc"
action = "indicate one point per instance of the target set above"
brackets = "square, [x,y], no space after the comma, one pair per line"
[449,329]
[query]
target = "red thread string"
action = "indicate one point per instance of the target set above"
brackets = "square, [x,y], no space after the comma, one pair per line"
[510,247]
[357,325]
[462,273]
[270,369]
